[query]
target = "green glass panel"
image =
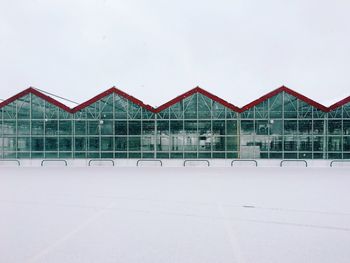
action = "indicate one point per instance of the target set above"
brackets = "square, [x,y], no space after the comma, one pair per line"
[80,143]
[335,127]
[80,127]
[65,127]
[219,127]
[346,127]
[176,127]
[290,127]
[218,110]
[121,143]
[148,143]
[106,143]
[319,142]
[134,143]
[37,144]
[231,143]
[290,106]
[335,143]
[94,144]
[204,127]
[37,127]
[262,127]
[219,143]
[51,144]
[262,110]
[204,107]
[94,127]
[305,127]
[51,127]
[163,127]
[134,127]
[247,127]
[106,107]
[23,127]
[121,127]
[107,127]
[121,108]
[190,107]
[38,108]
[65,144]
[23,144]
[275,105]
[148,127]
[9,127]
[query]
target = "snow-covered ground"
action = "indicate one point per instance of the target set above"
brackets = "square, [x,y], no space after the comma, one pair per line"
[174,215]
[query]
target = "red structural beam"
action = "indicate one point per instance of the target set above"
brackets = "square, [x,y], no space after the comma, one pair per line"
[175,100]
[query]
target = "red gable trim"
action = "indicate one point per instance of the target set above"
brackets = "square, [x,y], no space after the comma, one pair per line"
[339,104]
[193,91]
[38,94]
[289,91]
[175,100]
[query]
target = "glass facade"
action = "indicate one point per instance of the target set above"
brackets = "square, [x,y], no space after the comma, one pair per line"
[280,127]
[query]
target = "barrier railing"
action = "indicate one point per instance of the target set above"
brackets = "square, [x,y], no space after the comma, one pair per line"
[250,161]
[151,160]
[206,161]
[101,161]
[299,161]
[57,161]
[12,160]
[339,161]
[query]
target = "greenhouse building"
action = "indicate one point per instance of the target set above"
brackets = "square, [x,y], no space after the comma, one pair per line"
[283,124]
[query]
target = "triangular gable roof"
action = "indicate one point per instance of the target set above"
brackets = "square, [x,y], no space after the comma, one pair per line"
[190,93]
[38,94]
[175,100]
[289,91]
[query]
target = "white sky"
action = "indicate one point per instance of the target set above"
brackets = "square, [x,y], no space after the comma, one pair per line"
[156,50]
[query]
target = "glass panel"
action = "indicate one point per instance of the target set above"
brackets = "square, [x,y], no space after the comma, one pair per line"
[51,127]
[134,128]
[65,144]
[94,144]
[290,127]
[275,104]
[94,127]
[305,127]
[190,107]
[120,144]
[51,144]
[204,107]
[134,143]
[65,127]
[290,106]
[23,127]
[37,143]
[247,127]
[106,143]
[38,127]
[107,127]
[334,127]
[80,143]
[80,127]
[335,144]
[121,128]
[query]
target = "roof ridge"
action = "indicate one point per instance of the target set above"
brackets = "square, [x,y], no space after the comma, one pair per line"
[173,101]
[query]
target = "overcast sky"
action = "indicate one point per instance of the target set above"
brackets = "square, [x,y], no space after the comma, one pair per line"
[156,50]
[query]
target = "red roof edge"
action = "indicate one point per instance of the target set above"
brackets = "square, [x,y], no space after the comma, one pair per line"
[175,100]
[108,92]
[193,91]
[339,104]
[289,91]
[38,94]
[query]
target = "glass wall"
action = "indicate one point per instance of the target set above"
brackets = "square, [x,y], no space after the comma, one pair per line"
[195,127]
